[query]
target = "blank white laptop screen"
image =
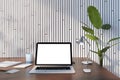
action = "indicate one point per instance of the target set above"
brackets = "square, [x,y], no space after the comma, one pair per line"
[53,54]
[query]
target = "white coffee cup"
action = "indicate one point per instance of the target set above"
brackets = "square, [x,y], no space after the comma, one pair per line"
[28,58]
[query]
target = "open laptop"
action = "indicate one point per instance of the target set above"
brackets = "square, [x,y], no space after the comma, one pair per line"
[53,57]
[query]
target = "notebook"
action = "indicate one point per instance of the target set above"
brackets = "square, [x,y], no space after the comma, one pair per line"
[53,57]
[8,63]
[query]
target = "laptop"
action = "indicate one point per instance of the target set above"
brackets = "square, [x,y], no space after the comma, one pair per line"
[53,57]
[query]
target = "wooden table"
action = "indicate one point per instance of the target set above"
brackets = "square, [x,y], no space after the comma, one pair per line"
[98,73]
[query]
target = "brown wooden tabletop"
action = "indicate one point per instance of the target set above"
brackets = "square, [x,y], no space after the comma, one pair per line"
[98,73]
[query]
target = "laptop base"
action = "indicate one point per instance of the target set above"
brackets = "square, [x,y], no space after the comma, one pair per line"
[70,71]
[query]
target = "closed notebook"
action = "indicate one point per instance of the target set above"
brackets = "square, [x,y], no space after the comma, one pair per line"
[9,63]
[24,65]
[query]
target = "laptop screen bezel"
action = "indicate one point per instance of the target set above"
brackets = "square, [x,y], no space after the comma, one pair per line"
[54,43]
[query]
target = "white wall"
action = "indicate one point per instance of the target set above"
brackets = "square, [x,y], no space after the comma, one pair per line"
[25,22]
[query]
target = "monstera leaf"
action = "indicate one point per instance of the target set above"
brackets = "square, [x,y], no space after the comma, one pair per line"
[94,17]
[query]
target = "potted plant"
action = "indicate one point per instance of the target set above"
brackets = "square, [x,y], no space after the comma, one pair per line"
[95,19]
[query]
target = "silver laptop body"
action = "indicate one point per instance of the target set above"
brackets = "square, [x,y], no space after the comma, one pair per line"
[53,58]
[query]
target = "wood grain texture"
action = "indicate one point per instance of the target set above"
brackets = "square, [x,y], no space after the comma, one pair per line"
[98,73]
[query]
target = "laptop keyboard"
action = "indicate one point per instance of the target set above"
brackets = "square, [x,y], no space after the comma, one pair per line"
[52,68]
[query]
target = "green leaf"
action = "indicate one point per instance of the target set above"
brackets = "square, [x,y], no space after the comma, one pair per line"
[94,17]
[106,26]
[89,30]
[94,51]
[113,39]
[115,44]
[92,37]
[104,49]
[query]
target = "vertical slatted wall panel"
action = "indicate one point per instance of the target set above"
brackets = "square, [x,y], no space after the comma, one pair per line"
[25,22]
